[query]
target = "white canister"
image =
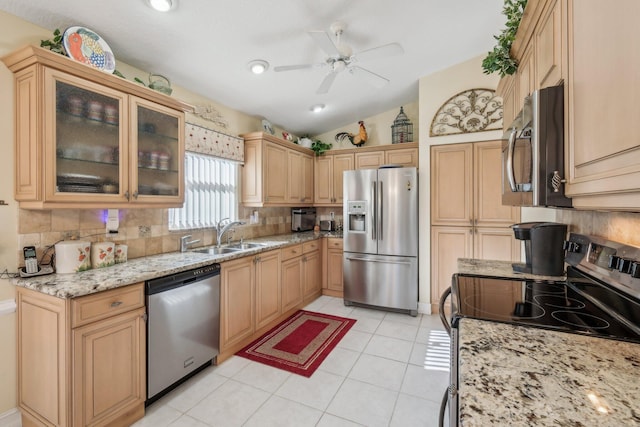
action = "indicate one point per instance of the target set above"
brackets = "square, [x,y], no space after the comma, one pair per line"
[121,254]
[72,256]
[102,254]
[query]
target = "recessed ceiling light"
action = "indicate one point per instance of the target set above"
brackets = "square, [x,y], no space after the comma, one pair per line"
[258,66]
[162,5]
[317,108]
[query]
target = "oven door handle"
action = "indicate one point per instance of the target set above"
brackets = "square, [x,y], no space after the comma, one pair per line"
[443,317]
[443,408]
[510,153]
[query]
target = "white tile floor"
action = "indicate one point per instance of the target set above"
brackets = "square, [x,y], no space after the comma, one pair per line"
[389,370]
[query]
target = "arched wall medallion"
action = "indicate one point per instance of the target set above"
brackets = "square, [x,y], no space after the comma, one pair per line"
[473,110]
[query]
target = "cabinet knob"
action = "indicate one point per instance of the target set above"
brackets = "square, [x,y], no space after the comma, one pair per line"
[126,194]
[135,195]
[116,304]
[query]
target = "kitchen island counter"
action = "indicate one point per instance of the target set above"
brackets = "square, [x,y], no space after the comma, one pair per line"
[494,268]
[521,376]
[142,269]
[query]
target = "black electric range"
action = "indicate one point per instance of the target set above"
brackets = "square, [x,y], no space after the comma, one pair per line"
[600,297]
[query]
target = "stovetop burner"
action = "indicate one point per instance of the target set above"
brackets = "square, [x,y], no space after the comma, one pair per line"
[600,297]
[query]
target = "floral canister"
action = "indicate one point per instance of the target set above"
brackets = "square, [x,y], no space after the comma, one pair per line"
[72,256]
[121,253]
[102,254]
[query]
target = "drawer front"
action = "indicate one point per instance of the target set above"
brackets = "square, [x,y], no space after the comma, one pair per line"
[291,252]
[335,243]
[311,246]
[106,304]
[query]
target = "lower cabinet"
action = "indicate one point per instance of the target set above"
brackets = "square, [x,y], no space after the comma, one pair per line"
[237,301]
[268,288]
[81,361]
[301,274]
[332,267]
[257,292]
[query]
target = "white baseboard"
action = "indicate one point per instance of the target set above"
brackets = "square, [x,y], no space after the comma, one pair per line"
[11,418]
[424,308]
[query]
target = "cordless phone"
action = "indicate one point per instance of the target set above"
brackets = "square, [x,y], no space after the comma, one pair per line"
[30,259]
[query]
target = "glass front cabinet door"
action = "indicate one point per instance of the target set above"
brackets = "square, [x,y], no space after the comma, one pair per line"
[107,146]
[88,139]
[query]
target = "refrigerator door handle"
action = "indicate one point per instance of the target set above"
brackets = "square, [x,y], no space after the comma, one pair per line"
[374,225]
[380,210]
[377,260]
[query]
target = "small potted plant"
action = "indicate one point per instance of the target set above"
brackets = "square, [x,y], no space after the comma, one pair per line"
[320,147]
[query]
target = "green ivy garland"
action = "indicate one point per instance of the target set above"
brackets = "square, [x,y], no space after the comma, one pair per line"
[499,59]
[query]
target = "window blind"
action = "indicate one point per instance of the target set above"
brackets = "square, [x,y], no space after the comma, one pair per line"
[211,192]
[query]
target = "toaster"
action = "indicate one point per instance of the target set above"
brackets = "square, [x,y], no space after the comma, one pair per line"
[327,225]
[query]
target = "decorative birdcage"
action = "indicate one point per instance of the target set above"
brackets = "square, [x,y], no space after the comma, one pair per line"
[402,129]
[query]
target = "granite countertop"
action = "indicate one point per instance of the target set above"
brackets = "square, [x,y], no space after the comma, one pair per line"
[485,267]
[521,376]
[141,269]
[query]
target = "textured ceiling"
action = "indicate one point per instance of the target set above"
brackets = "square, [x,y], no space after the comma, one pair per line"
[205,45]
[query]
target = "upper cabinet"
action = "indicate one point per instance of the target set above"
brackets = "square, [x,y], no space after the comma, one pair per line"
[87,139]
[330,166]
[591,47]
[276,172]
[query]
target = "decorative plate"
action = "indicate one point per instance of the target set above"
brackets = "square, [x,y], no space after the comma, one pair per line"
[84,45]
[266,125]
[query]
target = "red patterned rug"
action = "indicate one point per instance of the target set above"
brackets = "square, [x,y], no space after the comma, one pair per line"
[300,343]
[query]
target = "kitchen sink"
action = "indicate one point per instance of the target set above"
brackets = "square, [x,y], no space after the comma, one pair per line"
[217,251]
[244,246]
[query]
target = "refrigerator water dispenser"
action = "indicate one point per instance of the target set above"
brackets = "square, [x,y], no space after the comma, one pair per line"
[356,212]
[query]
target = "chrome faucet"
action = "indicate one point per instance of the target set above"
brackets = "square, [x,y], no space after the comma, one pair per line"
[223,226]
[185,242]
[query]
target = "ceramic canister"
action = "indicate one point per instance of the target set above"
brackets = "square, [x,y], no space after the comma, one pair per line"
[72,256]
[102,254]
[121,253]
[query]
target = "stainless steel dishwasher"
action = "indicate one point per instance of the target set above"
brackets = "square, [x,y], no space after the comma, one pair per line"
[183,327]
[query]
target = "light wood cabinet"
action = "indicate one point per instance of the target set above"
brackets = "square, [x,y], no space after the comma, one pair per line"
[276,172]
[332,268]
[507,89]
[237,301]
[467,216]
[603,105]
[82,361]
[311,270]
[407,157]
[549,46]
[370,160]
[292,276]
[526,76]
[86,139]
[328,178]
[268,287]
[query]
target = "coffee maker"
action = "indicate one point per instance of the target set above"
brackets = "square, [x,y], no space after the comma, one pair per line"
[543,250]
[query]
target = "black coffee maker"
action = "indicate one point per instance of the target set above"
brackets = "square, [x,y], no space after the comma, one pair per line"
[542,247]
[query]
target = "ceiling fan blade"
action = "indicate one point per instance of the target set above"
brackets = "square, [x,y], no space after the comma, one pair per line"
[324,41]
[371,77]
[390,49]
[298,67]
[326,83]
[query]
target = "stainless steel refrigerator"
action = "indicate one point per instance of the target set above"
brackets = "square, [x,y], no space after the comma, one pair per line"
[381,238]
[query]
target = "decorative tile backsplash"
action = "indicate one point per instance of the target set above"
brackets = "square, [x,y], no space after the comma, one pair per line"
[144,231]
[622,227]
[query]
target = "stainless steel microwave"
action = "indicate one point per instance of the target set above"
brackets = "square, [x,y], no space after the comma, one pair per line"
[533,152]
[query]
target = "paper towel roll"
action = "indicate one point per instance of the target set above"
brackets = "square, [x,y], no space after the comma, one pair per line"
[102,254]
[72,256]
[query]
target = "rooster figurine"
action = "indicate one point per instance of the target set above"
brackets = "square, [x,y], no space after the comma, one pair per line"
[356,140]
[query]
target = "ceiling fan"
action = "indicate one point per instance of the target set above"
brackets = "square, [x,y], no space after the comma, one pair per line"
[341,58]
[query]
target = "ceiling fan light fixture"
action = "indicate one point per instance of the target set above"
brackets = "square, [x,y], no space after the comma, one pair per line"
[317,108]
[258,66]
[162,5]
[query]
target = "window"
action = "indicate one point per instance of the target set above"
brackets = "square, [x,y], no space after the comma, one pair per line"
[210,193]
